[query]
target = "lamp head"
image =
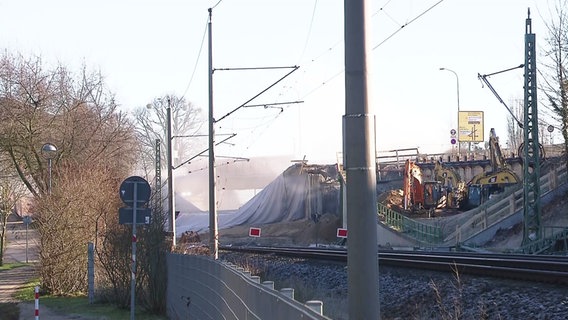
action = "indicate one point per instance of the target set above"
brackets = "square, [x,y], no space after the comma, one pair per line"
[49,151]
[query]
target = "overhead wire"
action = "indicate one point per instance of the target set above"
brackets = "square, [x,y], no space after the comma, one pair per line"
[309,31]
[406,24]
[327,51]
[213,7]
[378,45]
[196,60]
[313,61]
[270,121]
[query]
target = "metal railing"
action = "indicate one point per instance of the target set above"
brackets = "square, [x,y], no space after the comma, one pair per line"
[417,230]
[502,206]
[550,236]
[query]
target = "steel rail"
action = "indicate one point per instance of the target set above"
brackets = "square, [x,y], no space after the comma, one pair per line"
[539,268]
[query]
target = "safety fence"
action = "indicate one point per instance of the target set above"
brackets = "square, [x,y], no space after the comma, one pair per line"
[415,229]
[200,287]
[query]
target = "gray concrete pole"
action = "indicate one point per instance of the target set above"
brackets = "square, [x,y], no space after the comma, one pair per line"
[213,229]
[359,164]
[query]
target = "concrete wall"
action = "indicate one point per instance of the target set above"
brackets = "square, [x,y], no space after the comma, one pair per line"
[202,288]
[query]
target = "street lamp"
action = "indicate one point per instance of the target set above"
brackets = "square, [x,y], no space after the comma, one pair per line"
[458,95]
[49,151]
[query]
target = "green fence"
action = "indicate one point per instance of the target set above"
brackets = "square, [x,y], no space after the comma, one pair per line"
[415,229]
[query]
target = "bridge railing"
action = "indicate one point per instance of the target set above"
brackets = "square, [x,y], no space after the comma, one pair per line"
[202,288]
[502,206]
[417,230]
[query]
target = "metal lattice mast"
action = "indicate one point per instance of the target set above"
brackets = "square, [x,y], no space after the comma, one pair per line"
[158,188]
[531,165]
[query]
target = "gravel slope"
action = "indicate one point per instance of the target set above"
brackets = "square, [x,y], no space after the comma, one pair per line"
[413,294]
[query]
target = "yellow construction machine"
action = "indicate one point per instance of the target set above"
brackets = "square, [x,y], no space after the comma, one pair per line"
[482,186]
[453,189]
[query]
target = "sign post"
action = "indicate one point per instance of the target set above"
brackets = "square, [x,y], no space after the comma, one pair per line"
[135,193]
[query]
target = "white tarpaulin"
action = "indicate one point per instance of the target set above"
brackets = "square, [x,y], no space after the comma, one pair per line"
[293,195]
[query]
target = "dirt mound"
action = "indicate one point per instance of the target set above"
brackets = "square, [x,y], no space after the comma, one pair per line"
[391,198]
[300,232]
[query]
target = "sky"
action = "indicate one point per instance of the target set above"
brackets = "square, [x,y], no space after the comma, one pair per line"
[150,48]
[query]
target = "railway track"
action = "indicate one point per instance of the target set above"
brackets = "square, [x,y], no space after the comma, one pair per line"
[549,269]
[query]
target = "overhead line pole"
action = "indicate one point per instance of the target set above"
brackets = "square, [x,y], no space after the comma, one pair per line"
[532,230]
[213,219]
[171,196]
[360,166]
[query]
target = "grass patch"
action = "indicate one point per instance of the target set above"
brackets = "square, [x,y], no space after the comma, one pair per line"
[10,266]
[27,292]
[78,305]
[81,306]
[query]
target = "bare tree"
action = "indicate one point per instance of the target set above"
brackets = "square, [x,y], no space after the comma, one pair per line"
[514,131]
[95,151]
[152,124]
[554,82]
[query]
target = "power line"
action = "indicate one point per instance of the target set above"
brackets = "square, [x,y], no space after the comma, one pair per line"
[197,60]
[309,30]
[406,24]
[213,7]
[375,47]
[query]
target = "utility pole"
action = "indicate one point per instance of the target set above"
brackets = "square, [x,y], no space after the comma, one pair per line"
[360,167]
[213,220]
[171,199]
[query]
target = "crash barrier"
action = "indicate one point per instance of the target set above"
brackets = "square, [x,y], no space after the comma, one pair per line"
[200,287]
[417,230]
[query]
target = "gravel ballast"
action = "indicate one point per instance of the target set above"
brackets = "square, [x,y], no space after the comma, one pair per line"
[411,293]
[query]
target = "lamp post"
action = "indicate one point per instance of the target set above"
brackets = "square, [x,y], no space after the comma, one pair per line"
[458,95]
[49,151]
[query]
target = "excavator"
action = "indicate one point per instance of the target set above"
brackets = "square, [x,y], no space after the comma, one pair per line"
[452,185]
[417,194]
[482,186]
[448,190]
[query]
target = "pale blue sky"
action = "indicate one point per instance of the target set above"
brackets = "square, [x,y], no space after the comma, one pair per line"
[149,48]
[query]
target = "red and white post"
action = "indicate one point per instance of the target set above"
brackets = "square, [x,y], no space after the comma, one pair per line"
[37,303]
